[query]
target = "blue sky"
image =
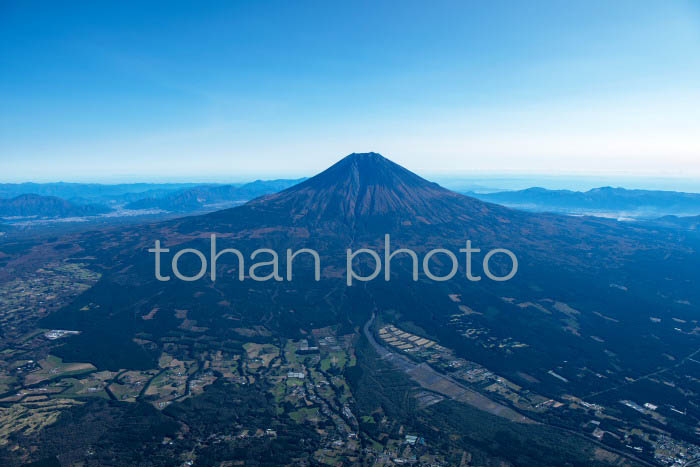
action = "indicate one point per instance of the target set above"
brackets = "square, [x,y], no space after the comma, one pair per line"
[230,90]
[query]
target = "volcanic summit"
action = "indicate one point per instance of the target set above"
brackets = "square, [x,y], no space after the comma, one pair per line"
[368,185]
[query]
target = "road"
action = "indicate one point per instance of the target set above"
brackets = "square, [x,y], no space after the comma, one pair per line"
[432,380]
[650,375]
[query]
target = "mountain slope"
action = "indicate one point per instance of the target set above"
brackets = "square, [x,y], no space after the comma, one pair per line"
[364,196]
[357,201]
[367,186]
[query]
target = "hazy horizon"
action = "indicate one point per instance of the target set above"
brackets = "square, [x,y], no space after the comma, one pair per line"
[478,182]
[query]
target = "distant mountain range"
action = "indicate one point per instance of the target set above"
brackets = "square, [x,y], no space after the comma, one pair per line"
[91,192]
[31,205]
[605,201]
[62,200]
[42,204]
[199,197]
[120,194]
